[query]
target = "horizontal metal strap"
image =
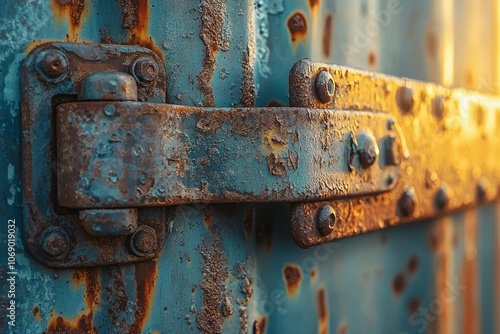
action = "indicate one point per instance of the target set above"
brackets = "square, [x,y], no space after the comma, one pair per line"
[133,154]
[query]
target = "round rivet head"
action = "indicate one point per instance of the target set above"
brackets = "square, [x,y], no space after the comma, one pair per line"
[404,97]
[143,241]
[145,70]
[55,243]
[482,190]
[52,66]
[438,107]
[407,202]
[367,150]
[442,198]
[325,86]
[326,220]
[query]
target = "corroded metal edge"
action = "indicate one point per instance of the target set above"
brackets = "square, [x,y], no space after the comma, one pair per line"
[451,137]
[48,81]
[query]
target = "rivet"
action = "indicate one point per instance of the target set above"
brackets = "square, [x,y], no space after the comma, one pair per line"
[55,243]
[52,66]
[404,97]
[407,202]
[325,86]
[326,219]
[482,189]
[109,110]
[438,107]
[143,241]
[367,150]
[442,198]
[146,70]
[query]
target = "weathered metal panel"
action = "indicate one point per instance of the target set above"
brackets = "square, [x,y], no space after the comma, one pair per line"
[215,255]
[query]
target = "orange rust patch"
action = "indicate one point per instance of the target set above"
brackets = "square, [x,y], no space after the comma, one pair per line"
[372,59]
[259,326]
[209,215]
[342,328]
[145,278]
[399,284]
[297,26]
[275,103]
[71,8]
[247,86]
[89,277]
[314,274]
[322,311]
[327,35]
[36,313]
[413,305]
[292,275]
[83,325]
[313,3]
[412,265]
[444,273]
[469,274]
[431,44]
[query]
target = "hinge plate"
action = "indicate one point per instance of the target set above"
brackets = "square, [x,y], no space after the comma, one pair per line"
[452,137]
[52,74]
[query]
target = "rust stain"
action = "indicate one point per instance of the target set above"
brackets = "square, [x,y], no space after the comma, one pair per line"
[212,33]
[36,313]
[116,296]
[259,326]
[469,276]
[145,280]
[90,278]
[71,8]
[215,274]
[248,85]
[342,328]
[135,18]
[413,305]
[209,215]
[249,218]
[431,44]
[276,165]
[297,26]
[292,276]
[83,325]
[327,35]
[399,284]
[275,103]
[323,312]
[412,265]
[443,230]
[372,59]
[314,274]
[313,3]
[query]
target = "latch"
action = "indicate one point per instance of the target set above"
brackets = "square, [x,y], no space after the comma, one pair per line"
[355,152]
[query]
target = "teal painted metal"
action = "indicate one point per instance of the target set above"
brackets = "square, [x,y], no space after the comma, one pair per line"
[226,267]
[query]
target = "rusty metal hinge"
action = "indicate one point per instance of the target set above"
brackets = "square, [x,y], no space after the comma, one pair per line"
[368,144]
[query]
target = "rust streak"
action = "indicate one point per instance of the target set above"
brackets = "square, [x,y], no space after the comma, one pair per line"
[259,326]
[412,265]
[327,36]
[71,8]
[90,278]
[83,325]
[470,296]
[215,275]
[323,311]
[292,276]
[444,248]
[212,34]
[247,86]
[313,3]
[399,284]
[145,278]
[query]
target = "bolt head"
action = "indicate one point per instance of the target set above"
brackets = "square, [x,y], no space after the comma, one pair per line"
[326,219]
[143,241]
[442,198]
[405,99]
[55,243]
[325,86]
[52,66]
[407,202]
[367,150]
[146,70]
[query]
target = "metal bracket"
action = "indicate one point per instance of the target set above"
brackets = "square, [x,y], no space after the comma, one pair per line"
[54,73]
[451,144]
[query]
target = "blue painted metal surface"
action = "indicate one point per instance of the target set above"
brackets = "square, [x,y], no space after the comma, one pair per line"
[233,267]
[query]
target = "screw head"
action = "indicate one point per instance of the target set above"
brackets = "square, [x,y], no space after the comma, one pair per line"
[143,241]
[145,70]
[52,66]
[326,219]
[405,99]
[55,243]
[407,202]
[367,150]
[325,86]
[442,198]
